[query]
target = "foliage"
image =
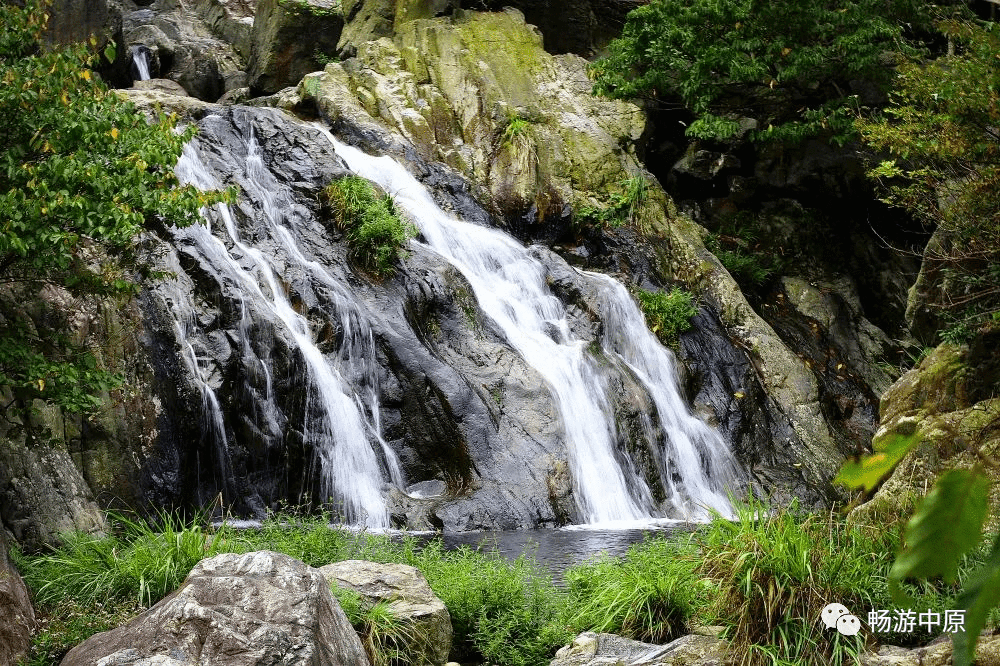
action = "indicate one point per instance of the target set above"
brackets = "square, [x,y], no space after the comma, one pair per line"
[772,573]
[82,171]
[137,562]
[649,595]
[626,206]
[737,247]
[65,625]
[765,577]
[382,634]
[941,132]
[729,58]
[668,314]
[374,228]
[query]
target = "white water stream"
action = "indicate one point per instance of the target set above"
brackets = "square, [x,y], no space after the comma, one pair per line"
[510,286]
[337,424]
[141,59]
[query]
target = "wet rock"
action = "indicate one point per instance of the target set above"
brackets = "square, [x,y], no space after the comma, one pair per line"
[248,609]
[451,89]
[183,48]
[590,649]
[17,617]
[287,38]
[410,600]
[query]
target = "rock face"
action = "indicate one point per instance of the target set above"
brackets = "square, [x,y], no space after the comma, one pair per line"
[248,609]
[44,495]
[290,39]
[938,653]
[409,598]
[590,649]
[17,617]
[942,403]
[505,114]
[583,27]
[185,47]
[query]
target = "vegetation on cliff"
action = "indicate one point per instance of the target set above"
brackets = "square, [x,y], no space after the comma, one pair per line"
[729,59]
[375,231]
[82,171]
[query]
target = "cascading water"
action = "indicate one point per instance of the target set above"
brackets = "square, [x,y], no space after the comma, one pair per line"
[698,466]
[140,58]
[510,287]
[341,420]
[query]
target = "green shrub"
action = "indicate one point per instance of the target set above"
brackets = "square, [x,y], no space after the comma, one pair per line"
[137,562]
[375,231]
[648,595]
[668,314]
[501,613]
[383,635]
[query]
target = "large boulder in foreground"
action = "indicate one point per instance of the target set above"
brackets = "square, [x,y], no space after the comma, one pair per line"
[235,610]
[590,649]
[17,617]
[409,598]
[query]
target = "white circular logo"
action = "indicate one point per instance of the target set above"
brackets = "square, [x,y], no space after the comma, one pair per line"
[832,612]
[848,625]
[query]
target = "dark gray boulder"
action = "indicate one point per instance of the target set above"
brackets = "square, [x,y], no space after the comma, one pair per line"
[235,610]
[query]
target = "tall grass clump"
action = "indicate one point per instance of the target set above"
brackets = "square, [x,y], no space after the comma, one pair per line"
[137,561]
[502,613]
[773,572]
[649,595]
[375,231]
[384,636]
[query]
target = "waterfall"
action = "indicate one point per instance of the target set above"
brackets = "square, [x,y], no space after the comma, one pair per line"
[510,286]
[341,419]
[140,58]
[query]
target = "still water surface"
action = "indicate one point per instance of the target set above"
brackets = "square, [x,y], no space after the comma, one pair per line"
[556,550]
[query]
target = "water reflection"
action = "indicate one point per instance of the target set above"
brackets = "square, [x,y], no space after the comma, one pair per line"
[556,550]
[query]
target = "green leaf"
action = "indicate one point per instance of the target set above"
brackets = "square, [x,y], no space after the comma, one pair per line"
[870,470]
[110,52]
[946,525]
[981,594]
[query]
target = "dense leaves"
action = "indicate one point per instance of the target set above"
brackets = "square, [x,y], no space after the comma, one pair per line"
[941,132]
[788,59]
[82,171]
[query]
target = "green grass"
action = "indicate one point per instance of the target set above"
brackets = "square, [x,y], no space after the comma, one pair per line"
[649,595]
[765,578]
[375,231]
[383,635]
[668,314]
[626,206]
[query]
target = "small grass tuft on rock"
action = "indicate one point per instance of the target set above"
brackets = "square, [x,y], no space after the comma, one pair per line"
[668,314]
[374,228]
